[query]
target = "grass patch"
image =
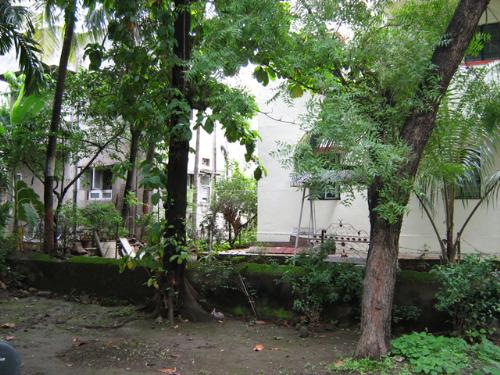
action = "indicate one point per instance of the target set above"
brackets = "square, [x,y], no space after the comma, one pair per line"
[239,311]
[280,313]
[93,260]
[362,366]
[40,257]
[275,270]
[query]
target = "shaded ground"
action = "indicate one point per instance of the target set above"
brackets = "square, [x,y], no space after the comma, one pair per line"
[55,336]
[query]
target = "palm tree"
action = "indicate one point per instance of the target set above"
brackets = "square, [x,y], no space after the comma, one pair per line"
[68,43]
[461,154]
[12,19]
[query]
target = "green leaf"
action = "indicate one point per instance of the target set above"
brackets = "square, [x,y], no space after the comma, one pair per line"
[295,90]
[261,75]
[257,173]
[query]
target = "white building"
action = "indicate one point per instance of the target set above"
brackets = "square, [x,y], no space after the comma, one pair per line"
[279,204]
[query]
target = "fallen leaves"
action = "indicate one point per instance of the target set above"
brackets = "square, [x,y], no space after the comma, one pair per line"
[8,325]
[339,363]
[169,371]
[258,348]
[10,338]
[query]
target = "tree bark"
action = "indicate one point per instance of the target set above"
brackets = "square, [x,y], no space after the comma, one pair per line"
[135,135]
[177,175]
[381,266]
[50,160]
[379,281]
[146,193]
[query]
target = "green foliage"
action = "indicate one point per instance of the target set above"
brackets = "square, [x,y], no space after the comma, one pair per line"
[486,358]
[405,313]
[7,245]
[462,147]
[28,208]
[151,255]
[362,366]
[321,283]
[470,293]
[430,354]
[427,354]
[103,218]
[328,247]
[18,35]
[235,199]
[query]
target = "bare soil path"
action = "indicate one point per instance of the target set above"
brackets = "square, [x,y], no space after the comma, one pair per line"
[55,336]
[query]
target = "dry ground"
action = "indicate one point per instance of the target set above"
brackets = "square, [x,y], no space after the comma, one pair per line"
[55,336]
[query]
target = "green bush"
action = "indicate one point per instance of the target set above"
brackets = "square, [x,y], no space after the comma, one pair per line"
[321,283]
[430,354]
[470,293]
[103,218]
[486,357]
[7,245]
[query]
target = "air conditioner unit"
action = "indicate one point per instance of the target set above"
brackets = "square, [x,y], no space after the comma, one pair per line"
[100,195]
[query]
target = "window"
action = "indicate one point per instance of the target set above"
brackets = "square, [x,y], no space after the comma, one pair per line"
[205,188]
[325,193]
[491,49]
[205,162]
[470,188]
[101,184]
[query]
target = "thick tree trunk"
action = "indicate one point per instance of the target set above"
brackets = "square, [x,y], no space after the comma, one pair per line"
[379,282]
[382,257]
[177,175]
[135,136]
[50,160]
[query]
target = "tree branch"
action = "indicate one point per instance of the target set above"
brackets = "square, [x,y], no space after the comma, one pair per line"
[87,166]
[433,223]
[469,217]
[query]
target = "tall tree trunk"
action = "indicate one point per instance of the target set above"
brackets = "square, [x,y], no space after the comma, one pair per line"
[177,174]
[50,160]
[381,266]
[196,184]
[379,281]
[146,193]
[135,136]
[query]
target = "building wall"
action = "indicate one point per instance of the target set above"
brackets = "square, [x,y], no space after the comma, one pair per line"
[279,203]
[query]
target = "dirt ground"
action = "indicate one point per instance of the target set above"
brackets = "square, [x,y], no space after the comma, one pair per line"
[56,336]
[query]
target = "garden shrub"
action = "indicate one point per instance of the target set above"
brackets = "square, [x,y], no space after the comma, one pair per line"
[470,292]
[423,353]
[7,242]
[486,356]
[322,283]
[104,218]
[430,354]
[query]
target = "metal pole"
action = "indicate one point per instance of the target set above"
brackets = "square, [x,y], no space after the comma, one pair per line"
[300,217]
